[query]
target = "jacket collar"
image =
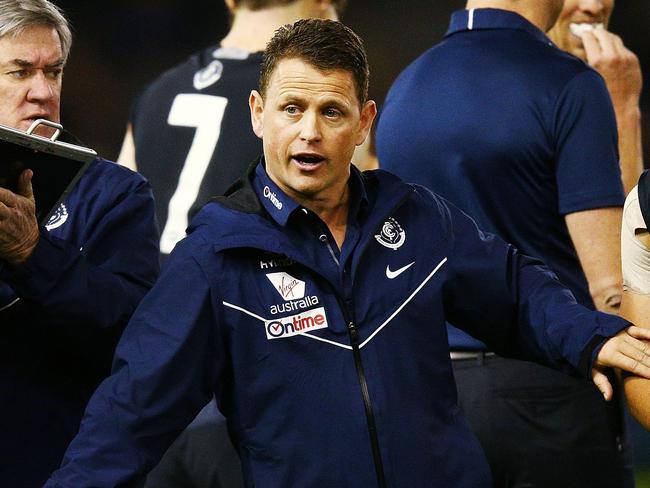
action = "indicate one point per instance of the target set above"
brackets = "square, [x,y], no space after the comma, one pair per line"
[239,218]
[257,193]
[492,18]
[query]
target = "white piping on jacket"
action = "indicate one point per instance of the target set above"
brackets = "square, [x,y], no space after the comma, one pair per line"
[384,324]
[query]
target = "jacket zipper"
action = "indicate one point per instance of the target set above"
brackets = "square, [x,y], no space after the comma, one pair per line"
[370,416]
[348,313]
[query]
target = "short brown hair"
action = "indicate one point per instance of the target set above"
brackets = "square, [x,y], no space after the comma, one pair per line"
[325,44]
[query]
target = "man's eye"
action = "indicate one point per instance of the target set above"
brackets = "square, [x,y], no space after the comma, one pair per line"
[54,74]
[291,110]
[19,73]
[330,112]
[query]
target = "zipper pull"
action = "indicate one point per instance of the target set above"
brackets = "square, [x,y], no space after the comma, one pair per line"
[354,335]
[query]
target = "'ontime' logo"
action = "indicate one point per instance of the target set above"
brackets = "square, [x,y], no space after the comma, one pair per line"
[296,324]
[271,196]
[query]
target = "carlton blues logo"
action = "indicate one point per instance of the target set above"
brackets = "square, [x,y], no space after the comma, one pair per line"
[392,235]
[296,324]
[58,218]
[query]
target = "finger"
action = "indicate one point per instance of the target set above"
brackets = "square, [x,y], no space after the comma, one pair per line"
[619,46]
[631,365]
[7,197]
[25,184]
[593,51]
[638,332]
[635,349]
[606,42]
[4,211]
[602,383]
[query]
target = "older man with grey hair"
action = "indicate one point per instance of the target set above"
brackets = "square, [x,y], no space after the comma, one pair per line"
[66,288]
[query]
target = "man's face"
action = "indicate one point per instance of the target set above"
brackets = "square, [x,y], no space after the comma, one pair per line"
[310,122]
[31,67]
[576,16]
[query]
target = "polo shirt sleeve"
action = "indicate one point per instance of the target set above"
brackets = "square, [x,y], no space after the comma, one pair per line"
[586,146]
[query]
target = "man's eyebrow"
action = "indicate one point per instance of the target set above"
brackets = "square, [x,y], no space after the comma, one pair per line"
[23,63]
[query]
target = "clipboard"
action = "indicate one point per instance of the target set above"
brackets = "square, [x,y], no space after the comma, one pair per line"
[57,165]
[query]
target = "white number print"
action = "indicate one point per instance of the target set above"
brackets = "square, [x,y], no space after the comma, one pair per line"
[205,112]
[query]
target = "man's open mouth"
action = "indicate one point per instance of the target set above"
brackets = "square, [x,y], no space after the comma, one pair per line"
[308,159]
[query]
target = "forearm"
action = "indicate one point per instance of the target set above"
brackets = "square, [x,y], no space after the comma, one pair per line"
[628,119]
[95,275]
[596,235]
[69,287]
[635,307]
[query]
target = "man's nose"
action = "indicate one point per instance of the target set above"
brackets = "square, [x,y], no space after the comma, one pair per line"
[310,129]
[593,7]
[40,88]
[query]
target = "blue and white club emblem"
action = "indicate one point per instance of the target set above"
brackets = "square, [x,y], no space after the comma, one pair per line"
[392,235]
[208,75]
[58,218]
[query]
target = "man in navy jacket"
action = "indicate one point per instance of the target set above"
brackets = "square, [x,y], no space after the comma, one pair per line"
[311,301]
[67,289]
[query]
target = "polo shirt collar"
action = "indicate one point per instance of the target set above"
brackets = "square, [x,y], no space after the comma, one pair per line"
[277,203]
[280,206]
[492,18]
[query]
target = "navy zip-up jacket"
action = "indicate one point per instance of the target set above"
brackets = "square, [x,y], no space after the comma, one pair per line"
[331,367]
[62,312]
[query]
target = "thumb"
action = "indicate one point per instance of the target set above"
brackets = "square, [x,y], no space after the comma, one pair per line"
[25,184]
[602,383]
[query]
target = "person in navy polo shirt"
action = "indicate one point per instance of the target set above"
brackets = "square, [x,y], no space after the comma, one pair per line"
[582,30]
[522,136]
[311,301]
[67,289]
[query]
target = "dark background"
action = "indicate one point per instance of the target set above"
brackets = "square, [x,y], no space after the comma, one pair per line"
[120,45]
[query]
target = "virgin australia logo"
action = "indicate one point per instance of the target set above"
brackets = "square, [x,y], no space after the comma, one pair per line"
[58,218]
[287,286]
[392,235]
[271,196]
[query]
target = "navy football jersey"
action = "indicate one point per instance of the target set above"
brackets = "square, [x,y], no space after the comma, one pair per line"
[193,134]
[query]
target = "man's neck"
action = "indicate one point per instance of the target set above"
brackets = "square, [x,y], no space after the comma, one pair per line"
[252,29]
[538,13]
[334,212]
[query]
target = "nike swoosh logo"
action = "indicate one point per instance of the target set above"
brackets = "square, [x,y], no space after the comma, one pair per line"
[394,274]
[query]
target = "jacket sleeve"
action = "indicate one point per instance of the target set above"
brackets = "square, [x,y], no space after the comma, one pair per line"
[165,367]
[515,304]
[100,283]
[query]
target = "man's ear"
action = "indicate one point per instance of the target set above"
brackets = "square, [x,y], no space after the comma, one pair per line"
[256,105]
[368,113]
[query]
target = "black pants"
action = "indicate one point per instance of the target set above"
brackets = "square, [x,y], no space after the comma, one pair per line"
[541,428]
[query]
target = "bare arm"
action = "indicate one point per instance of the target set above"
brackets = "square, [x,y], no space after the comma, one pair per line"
[621,70]
[635,306]
[127,153]
[636,309]
[596,235]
